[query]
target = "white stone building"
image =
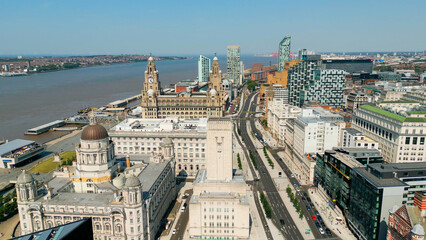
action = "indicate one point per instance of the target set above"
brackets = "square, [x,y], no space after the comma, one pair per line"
[128,205]
[140,138]
[219,206]
[278,114]
[355,139]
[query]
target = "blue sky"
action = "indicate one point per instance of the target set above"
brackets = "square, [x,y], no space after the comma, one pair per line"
[202,27]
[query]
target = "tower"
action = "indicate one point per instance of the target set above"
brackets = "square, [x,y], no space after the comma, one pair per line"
[150,91]
[26,189]
[204,67]
[215,92]
[219,150]
[284,52]
[233,65]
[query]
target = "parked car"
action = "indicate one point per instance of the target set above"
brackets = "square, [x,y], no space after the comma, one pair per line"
[317,224]
[174,231]
[319,218]
[308,208]
[328,232]
[323,225]
[321,231]
[309,199]
[314,217]
[282,221]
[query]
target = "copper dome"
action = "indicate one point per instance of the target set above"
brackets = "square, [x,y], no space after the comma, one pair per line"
[94,132]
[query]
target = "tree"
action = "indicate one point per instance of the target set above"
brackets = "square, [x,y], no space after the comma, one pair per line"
[301,214]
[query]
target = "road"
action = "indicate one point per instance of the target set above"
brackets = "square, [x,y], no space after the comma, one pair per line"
[266,184]
[301,197]
[183,220]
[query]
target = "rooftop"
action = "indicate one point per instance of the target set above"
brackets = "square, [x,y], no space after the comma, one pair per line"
[150,174]
[12,145]
[170,124]
[391,115]
[379,182]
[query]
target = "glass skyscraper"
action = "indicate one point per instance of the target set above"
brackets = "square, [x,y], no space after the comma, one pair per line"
[204,67]
[233,63]
[284,52]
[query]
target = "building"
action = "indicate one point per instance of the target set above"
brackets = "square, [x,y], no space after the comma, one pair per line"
[204,68]
[389,76]
[141,138]
[355,139]
[186,86]
[406,222]
[81,229]
[284,52]
[418,96]
[228,88]
[391,95]
[349,65]
[401,138]
[127,204]
[300,76]
[375,189]
[354,100]
[16,152]
[158,104]
[219,207]
[326,88]
[279,112]
[233,63]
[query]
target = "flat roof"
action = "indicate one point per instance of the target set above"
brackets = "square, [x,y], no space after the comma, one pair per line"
[46,125]
[12,145]
[391,115]
[170,124]
[394,167]
[150,174]
[353,131]
[379,182]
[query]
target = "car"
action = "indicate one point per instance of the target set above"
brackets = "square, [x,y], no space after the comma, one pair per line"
[328,232]
[174,231]
[298,189]
[182,209]
[314,217]
[312,205]
[308,208]
[319,218]
[321,231]
[292,175]
[323,225]
[316,212]
[309,199]
[294,183]
[317,224]
[282,221]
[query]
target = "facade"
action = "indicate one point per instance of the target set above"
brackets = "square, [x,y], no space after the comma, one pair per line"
[401,139]
[299,77]
[228,88]
[406,222]
[354,100]
[350,65]
[204,68]
[219,207]
[355,139]
[141,138]
[278,114]
[127,205]
[233,63]
[374,191]
[326,88]
[18,151]
[284,52]
[157,104]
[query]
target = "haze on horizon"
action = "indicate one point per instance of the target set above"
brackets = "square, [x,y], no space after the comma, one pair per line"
[200,27]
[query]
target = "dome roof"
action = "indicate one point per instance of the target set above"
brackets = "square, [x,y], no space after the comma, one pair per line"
[119,181]
[213,92]
[418,230]
[150,59]
[94,132]
[24,178]
[133,181]
[150,92]
[215,58]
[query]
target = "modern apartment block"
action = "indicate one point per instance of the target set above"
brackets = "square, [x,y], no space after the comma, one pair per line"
[374,191]
[299,78]
[326,88]
[233,63]
[204,67]
[141,138]
[401,138]
[284,52]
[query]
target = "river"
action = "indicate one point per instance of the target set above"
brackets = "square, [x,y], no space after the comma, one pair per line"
[36,99]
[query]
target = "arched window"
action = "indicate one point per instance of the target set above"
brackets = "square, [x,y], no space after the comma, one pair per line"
[107,227]
[118,228]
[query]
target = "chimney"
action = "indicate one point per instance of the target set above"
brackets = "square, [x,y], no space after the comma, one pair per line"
[127,161]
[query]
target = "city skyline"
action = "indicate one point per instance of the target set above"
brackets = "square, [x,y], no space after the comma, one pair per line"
[67,28]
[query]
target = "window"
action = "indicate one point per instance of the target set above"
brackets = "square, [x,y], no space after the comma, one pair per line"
[407,140]
[422,141]
[414,140]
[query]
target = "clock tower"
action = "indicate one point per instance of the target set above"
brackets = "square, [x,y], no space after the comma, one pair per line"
[151,91]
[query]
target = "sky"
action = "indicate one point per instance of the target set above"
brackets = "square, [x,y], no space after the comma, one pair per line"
[162,27]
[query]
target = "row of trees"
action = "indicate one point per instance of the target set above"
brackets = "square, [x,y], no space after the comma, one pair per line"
[252,159]
[268,158]
[294,200]
[251,85]
[8,205]
[240,165]
[266,206]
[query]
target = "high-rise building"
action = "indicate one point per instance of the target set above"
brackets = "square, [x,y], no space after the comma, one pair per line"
[284,52]
[326,88]
[204,67]
[233,63]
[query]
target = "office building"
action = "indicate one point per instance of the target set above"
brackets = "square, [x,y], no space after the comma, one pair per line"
[374,191]
[141,138]
[284,52]
[279,112]
[204,68]
[350,65]
[326,88]
[355,139]
[233,63]
[401,138]
[219,207]
[354,100]
[127,204]
[158,104]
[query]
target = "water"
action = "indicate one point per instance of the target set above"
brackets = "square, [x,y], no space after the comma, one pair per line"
[30,101]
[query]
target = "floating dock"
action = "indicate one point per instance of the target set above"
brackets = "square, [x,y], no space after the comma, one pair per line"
[45,127]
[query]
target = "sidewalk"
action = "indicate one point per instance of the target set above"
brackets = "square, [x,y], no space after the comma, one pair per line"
[257,231]
[329,215]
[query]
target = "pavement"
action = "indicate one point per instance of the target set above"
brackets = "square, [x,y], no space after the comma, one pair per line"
[6,227]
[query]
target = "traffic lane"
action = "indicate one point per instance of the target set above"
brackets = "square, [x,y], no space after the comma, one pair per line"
[183,219]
